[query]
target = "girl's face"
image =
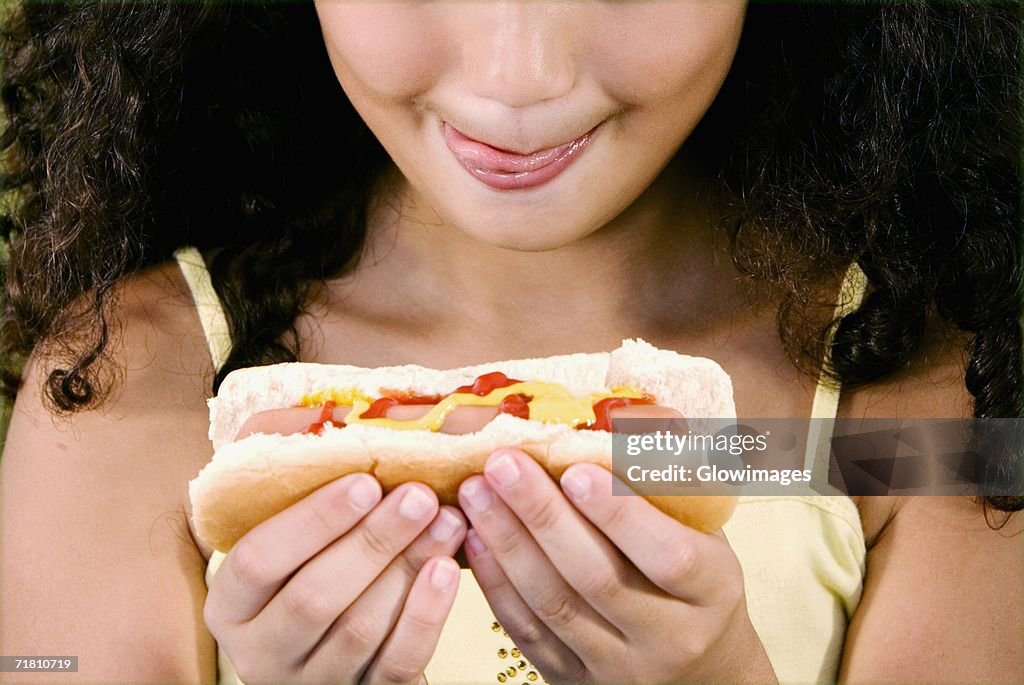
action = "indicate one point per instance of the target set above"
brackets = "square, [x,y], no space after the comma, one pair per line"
[530,125]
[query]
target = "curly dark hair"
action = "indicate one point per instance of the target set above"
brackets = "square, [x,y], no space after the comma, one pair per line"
[886,133]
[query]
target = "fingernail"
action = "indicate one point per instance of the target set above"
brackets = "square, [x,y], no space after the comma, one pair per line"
[577,484]
[474,544]
[478,494]
[415,504]
[364,493]
[503,469]
[444,573]
[445,526]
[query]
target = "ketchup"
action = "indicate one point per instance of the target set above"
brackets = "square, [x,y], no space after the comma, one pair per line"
[406,397]
[326,416]
[516,405]
[379,408]
[483,385]
[603,411]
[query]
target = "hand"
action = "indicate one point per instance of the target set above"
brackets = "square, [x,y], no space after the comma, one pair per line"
[340,587]
[605,589]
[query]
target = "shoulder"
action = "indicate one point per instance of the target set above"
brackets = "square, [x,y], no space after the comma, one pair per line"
[151,425]
[934,564]
[104,492]
[158,361]
[941,600]
[158,317]
[932,386]
[154,331]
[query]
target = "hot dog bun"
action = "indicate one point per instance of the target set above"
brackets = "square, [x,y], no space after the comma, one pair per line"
[251,479]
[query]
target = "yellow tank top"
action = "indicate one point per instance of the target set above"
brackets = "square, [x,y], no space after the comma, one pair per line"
[802,556]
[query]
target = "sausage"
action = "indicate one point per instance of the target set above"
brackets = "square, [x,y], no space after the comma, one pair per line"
[462,419]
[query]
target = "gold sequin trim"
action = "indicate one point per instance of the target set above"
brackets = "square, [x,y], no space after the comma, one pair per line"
[520,667]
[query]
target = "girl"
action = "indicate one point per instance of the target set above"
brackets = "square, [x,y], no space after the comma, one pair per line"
[452,183]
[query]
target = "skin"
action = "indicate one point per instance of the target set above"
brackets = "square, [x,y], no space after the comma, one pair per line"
[524,77]
[434,288]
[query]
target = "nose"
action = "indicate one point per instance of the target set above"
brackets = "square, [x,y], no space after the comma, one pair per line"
[519,53]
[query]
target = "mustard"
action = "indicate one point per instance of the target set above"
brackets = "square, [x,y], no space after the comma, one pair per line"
[550,403]
[345,397]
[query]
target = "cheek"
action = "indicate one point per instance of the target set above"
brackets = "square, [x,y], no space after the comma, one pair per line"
[388,50]
[677,49]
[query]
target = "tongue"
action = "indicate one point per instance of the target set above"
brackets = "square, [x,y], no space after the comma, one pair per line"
[484,156]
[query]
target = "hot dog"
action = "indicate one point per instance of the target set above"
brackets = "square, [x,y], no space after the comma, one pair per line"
[281,431]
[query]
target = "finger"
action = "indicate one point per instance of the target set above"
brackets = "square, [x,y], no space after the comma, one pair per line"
[361,629]
[684,562]
[543,648]
[588,561]
[298,616]
[409,648]
[530,571]
[263,559]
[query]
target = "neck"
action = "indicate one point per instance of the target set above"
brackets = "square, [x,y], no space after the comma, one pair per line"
[658,268]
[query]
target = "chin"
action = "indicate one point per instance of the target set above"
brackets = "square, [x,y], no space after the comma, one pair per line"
[522,235]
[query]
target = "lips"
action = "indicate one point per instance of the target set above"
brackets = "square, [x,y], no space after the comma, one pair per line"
[504,170]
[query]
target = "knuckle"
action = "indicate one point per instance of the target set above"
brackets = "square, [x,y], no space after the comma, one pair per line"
[244,669]
[601,585]
[680,565]
[307,604]
[690,647]
[212,618]
[577,674]
[504,546]
[617,517]
[249,668]
[525,631]
[323,515]
[420,626]
[359,633]
[558,609]
[412,560]
[377,547]
[393,671]
[543,516]
[502,586]
[733,592]
[252,567]
[409,564]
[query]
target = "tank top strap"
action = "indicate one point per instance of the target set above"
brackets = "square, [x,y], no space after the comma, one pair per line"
[208,305]
[826,394]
